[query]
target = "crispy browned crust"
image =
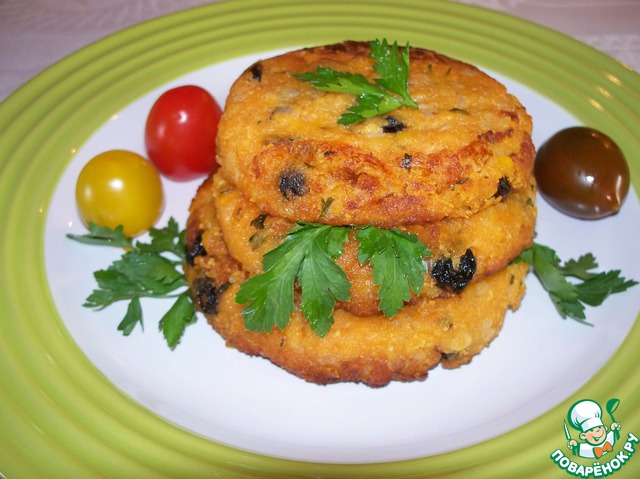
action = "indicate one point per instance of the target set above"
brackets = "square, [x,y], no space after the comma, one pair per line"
[495,235]
[373,349]
[280,144]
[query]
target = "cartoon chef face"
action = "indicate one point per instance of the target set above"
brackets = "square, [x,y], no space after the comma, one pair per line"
[586,416]
[595,436]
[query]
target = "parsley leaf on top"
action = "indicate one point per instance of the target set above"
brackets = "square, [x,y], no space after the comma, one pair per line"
[398,264]
[388,93]
[306,255]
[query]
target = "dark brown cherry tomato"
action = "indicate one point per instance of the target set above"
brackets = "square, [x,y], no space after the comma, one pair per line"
[180,133]
[582,172]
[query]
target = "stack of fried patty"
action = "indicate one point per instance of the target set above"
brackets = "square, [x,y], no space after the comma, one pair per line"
[456,172]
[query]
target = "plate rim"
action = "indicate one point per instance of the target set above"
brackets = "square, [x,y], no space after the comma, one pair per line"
[37,401]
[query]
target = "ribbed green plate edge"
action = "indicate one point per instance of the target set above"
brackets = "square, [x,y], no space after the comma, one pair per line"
[60,417]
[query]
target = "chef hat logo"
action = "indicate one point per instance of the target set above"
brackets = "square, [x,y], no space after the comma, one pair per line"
[585,415]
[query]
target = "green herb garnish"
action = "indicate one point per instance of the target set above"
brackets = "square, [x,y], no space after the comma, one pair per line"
[145,270]
[389,92]
[103,236]
[568,297]
[307,256]
[398,265]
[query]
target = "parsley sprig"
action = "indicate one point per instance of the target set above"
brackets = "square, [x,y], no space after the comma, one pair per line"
[570,297]
[307,258]
[389,92]
[145,270]
[397,261]
[307,255]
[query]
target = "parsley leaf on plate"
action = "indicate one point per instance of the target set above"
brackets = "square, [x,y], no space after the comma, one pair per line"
[103,236]
[166,240]
[179,316]
[144,270]
[136,274]
[389,92]
[570,297]
[132,317]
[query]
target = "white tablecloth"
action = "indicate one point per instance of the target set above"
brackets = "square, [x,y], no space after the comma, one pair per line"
[34,34]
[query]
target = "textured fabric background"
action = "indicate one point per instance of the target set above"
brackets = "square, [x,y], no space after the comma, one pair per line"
[36,33]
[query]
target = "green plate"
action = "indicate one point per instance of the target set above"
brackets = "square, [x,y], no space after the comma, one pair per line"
[60,417]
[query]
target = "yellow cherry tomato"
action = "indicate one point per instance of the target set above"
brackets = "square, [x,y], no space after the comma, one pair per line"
[119,187]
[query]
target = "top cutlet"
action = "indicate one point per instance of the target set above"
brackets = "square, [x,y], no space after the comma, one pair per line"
[280,143]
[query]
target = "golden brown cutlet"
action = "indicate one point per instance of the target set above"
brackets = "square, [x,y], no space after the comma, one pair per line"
[279,142]
[372,349]
[456,172]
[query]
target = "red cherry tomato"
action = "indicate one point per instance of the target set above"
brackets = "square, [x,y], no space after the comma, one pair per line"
[180,134]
